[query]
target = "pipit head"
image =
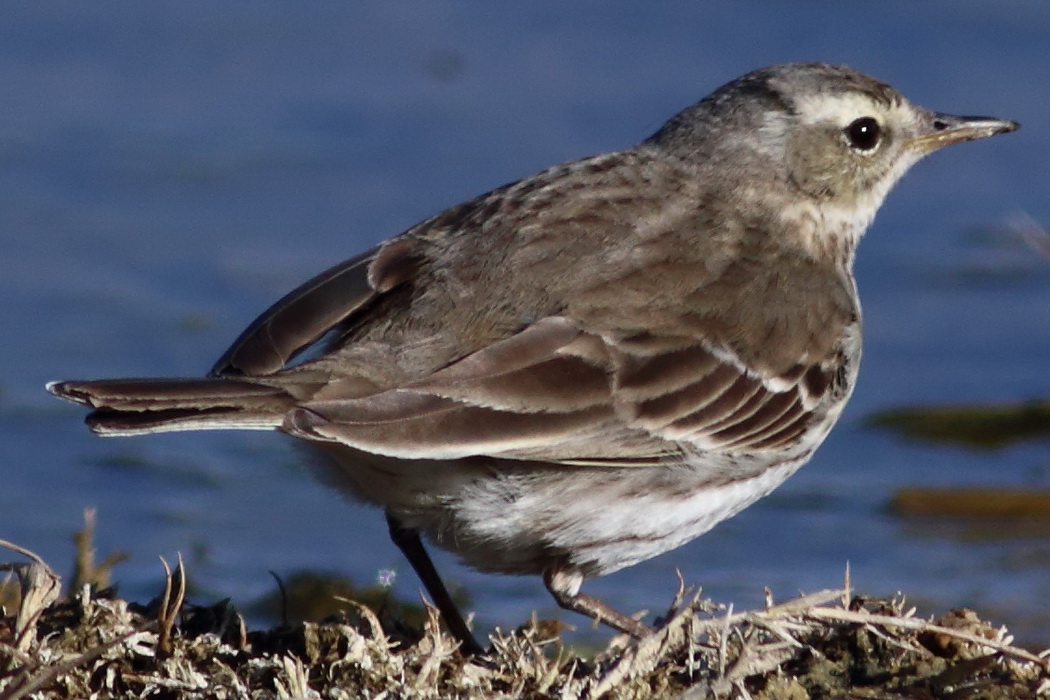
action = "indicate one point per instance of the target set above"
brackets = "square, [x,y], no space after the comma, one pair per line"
[827,139]
[596,364]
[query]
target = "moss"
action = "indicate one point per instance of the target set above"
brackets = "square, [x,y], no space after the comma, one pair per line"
[987,426]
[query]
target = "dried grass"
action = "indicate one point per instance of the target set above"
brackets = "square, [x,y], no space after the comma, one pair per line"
[829,644]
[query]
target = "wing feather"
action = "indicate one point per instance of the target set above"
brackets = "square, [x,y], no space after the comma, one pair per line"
[444,429]
[549,394]
[695,400]
[308,312]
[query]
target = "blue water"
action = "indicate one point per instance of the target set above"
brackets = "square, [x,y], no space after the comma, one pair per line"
[168,170]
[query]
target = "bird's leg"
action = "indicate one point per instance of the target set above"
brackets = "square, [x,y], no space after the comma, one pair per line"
[408,541]
[565,587]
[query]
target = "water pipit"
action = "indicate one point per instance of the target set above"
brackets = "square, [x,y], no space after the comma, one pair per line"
[593,365]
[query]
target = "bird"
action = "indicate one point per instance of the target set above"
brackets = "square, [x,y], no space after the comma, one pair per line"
[593,365]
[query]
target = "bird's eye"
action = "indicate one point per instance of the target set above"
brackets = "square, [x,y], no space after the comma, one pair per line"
[864,134]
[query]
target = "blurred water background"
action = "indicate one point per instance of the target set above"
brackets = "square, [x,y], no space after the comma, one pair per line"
[169,169]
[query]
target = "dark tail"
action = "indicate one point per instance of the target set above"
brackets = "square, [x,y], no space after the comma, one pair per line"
[140,406]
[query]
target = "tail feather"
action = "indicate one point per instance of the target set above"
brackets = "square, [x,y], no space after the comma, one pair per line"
[140,406]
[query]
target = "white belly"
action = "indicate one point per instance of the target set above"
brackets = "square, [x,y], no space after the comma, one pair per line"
[596,523]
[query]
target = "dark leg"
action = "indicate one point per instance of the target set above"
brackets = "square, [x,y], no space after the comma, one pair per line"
[565,587]
[408,542]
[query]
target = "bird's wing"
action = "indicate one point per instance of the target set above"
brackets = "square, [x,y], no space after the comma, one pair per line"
[307,313]
[555,393]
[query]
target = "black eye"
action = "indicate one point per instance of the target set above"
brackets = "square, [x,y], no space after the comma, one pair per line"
[864,134]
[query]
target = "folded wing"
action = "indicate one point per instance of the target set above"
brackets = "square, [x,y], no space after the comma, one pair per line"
[556,393]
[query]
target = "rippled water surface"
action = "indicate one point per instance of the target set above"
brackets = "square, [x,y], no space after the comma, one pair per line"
[166,171]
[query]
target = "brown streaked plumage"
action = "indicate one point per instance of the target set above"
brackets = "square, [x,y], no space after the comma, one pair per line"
[596,364]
